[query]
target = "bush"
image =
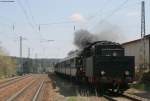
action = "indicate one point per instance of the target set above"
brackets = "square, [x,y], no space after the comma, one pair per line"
[139,86]
[7,65]
[146,78]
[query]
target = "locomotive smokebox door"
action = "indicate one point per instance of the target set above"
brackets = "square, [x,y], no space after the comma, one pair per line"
[89,66]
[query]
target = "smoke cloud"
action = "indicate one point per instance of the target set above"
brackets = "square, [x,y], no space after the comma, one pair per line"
[83,37]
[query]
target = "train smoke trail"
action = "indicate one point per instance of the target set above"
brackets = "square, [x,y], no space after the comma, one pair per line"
[83,37]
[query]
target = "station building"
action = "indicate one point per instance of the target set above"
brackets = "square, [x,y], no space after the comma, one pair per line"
[136,48]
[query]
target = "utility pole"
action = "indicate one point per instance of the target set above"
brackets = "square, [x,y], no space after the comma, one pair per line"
[20,48]
[143,19]
[28,52]
[74,27]
[143,32]
[21,68]
[36,65]
[42,59]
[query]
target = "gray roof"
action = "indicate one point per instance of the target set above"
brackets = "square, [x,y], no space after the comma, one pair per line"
[129,42]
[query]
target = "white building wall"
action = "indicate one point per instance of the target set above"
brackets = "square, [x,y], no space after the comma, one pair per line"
[136,49]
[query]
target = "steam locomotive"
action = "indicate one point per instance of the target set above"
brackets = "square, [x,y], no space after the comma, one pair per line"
[101,64]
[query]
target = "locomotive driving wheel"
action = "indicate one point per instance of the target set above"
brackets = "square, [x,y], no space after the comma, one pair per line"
[116,88]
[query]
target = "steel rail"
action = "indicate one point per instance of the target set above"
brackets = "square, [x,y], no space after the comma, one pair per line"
[110,98]
[14,78]
[11,81]
[11,98]
[38,91]
[130,96]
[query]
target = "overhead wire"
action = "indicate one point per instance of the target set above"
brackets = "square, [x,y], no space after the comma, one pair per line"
[54,23]
[31,13]
[29,16]
[91,17]
[113,12]
[5,18]
[34,23]
[25,13]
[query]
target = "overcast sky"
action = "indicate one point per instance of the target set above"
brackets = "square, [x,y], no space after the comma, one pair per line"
[57,19]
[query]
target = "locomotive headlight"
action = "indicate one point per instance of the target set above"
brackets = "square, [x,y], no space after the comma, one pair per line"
[102,72]
[126,72]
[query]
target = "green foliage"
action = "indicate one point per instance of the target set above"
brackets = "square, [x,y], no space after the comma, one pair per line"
[139,86]
[72,98]
[7,65]
[146,78]
[28,66]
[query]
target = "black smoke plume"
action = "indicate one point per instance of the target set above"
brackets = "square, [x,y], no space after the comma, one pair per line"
[83,38]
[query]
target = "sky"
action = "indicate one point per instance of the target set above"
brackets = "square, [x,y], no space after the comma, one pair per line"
[38,21]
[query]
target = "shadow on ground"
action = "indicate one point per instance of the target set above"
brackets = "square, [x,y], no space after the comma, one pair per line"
[68,88]
[143,95]
[146,92]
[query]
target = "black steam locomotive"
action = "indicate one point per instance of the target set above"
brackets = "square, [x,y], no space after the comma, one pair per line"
[101,64]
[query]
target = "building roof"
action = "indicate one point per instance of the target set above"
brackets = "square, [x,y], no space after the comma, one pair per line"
[146,36]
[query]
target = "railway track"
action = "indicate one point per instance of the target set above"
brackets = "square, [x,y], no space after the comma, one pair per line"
[11,98]
[23,92]
[11,81]
[134,96]
[123,97]
[1,82]
[38,91]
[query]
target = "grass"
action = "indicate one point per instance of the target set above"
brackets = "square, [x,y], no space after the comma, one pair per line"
[84,96]
[141,86]
[72,98]
[77,98]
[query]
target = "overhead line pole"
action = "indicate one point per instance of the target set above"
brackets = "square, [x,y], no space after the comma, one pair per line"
[143,31]
[21,68]
[28,52]
[143,19]
[20,48]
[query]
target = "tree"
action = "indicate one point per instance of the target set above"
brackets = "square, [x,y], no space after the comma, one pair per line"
[28,66]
